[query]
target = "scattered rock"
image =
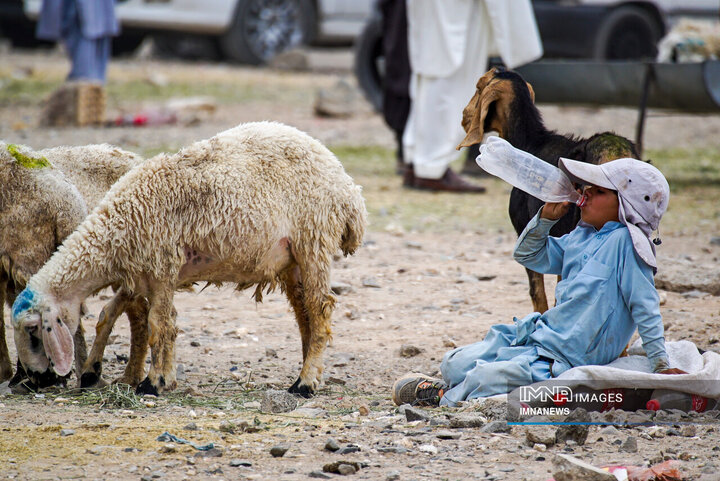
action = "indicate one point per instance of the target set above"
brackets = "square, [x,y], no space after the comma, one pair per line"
[67,432]
[414,414]
[574,432]
[278,401]
[279,450]
[371,282]
[467,420]
[408,350]
[346,469]
[180,373]
[341,288]
[168,448]
[496,427]
[319,475]
[540,435]
[296,60]
[332,445]
[447,435]
[688,430]
[335,467]
[569,468]
[190,427]
[270,352]
[210,453]
[236,463]
[338,101]
[630,445]
[428,448]
[349,449]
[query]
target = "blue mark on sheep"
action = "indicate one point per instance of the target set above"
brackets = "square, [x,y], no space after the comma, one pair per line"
[23,302]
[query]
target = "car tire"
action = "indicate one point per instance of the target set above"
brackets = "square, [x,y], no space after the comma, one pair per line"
[263,28]
[126,44]
[628,33]
[369,61]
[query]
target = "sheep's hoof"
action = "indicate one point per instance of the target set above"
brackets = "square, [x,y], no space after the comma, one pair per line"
[20,374]
[146,387]
[89,379]
[303,391]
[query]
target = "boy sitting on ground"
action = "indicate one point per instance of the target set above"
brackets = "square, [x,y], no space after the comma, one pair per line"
[607,290]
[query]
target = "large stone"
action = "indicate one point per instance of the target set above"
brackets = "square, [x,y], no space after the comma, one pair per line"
[467,420]
[574,432]
[540,434]
[277,401]
[568,468]
[681,275]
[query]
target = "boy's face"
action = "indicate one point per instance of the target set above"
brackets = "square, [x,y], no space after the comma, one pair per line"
[601,206]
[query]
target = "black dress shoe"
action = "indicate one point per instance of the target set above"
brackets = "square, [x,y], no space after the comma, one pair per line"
[449,182]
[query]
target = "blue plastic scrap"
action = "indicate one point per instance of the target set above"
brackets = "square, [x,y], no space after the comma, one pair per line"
[166,436]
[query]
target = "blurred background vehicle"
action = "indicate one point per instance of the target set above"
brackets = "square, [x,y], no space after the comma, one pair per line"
[253,31]
[597,30]
[244,31]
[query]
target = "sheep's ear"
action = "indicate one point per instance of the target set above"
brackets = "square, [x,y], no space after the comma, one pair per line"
[58,344]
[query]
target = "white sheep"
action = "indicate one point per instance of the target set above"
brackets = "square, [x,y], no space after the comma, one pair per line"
[261,204]
[45,195]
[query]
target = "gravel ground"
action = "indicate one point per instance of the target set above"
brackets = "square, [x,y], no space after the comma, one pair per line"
[424,289]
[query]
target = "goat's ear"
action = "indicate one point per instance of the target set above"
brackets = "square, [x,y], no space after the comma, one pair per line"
[532,91]
[474,116]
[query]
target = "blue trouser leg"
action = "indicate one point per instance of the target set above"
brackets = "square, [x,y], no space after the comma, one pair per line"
[88,56]
[492,366]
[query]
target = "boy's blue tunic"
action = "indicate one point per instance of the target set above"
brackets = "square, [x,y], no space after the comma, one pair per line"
[606,292]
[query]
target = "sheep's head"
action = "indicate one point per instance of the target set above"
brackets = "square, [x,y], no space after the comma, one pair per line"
[489,109]
[43,336]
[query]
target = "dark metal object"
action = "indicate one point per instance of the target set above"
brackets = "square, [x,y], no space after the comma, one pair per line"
[682,87]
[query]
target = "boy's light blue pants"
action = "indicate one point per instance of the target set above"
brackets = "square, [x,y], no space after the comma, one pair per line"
[491,366]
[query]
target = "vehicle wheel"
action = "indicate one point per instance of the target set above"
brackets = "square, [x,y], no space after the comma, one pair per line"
[628,33]
[126,44]
[263,28]
[370,61]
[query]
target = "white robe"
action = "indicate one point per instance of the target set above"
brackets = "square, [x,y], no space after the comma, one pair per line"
[449,42]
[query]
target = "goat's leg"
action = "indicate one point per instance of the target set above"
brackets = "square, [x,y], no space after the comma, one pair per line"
[319,304]
[5,365]
[537,291]
[161,337]
[137,312]
[92,369]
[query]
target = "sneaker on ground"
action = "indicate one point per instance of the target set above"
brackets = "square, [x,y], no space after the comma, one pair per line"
[418,390]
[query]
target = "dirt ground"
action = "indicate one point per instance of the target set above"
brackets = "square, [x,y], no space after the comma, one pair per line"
[428,289]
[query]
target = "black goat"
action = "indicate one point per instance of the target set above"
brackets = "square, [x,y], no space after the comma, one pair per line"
[504,102]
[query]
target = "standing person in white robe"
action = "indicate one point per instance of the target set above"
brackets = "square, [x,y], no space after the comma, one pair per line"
[449,43]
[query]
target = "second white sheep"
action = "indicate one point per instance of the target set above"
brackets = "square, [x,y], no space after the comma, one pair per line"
[262,204]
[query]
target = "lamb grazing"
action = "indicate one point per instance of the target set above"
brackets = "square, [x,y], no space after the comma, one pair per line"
[45,196]
[504,103]
[261,204]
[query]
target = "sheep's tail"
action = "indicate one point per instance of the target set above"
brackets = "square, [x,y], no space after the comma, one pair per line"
[355,222]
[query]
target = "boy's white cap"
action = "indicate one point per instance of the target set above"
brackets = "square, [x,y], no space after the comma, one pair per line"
[643,195]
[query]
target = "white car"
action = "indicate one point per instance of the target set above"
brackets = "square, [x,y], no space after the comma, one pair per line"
[247,31]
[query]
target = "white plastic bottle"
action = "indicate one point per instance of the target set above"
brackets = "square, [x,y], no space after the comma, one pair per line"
[526,172]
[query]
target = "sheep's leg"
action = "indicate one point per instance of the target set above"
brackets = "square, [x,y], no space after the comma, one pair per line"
[80,350]
[137,312]
[161,337]
[92,369]
[537,291]
[319,304]
[5,365]
[294,291]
